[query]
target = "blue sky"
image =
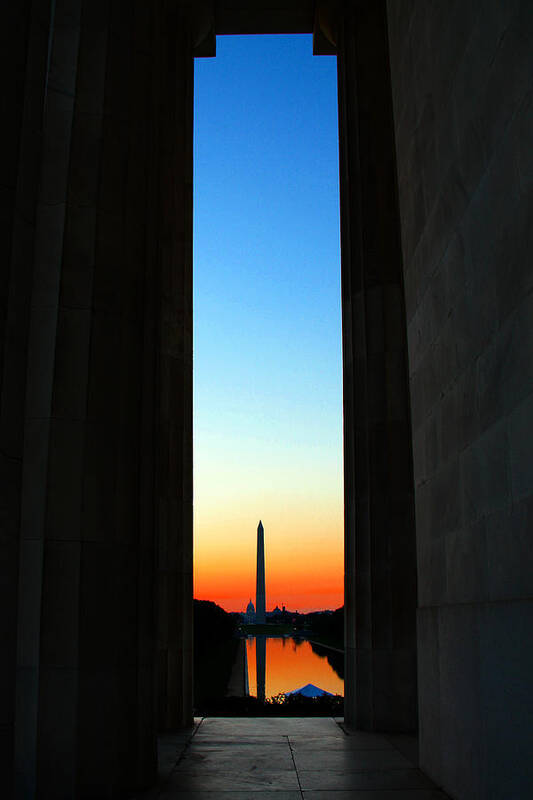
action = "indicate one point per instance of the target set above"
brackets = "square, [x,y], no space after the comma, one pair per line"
[267,335]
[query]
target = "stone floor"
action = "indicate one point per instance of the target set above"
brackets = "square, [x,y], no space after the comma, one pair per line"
[287,759]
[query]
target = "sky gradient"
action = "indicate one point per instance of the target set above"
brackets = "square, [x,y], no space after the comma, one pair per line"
[267,325]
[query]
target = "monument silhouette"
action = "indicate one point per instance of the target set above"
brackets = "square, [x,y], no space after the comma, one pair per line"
[260,577]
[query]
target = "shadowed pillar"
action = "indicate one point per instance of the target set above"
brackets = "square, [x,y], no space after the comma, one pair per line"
[23,92]
[85,723]
[173,97]
[380,561]
[101,319]
[184,29]
[260,577]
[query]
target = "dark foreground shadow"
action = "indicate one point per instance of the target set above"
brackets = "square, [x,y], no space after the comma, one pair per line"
[280,706]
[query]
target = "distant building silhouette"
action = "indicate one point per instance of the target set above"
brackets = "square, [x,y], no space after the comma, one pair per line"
[249,615]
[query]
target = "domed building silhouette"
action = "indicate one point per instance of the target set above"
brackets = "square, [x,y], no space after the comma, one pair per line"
[250,612]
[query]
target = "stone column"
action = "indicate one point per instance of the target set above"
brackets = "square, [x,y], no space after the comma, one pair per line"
[85,722]
[23,27]
[380,566]
[173,162]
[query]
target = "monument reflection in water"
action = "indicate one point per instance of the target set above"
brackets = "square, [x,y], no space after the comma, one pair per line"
[260,666]
[282,664]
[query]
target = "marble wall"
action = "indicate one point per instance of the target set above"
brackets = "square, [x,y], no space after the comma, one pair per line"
[462,77]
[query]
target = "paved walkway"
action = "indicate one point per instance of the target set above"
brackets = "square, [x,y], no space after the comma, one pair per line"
[286,759]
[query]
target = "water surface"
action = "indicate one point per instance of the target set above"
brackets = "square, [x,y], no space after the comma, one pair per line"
[288,664]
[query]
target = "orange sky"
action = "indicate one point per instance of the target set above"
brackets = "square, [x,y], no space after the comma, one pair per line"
[295,487]
[304,562]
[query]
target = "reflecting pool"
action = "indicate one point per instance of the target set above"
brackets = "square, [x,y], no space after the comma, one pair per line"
[282,664]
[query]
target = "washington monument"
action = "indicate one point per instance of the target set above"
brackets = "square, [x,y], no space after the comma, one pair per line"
[260,580]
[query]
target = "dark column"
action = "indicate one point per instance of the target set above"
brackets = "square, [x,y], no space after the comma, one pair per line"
[23,91]
[380,567]
[85,722]
[173,95]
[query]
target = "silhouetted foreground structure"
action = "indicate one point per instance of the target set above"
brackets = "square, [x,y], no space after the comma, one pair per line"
[215,649]
[96,389]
